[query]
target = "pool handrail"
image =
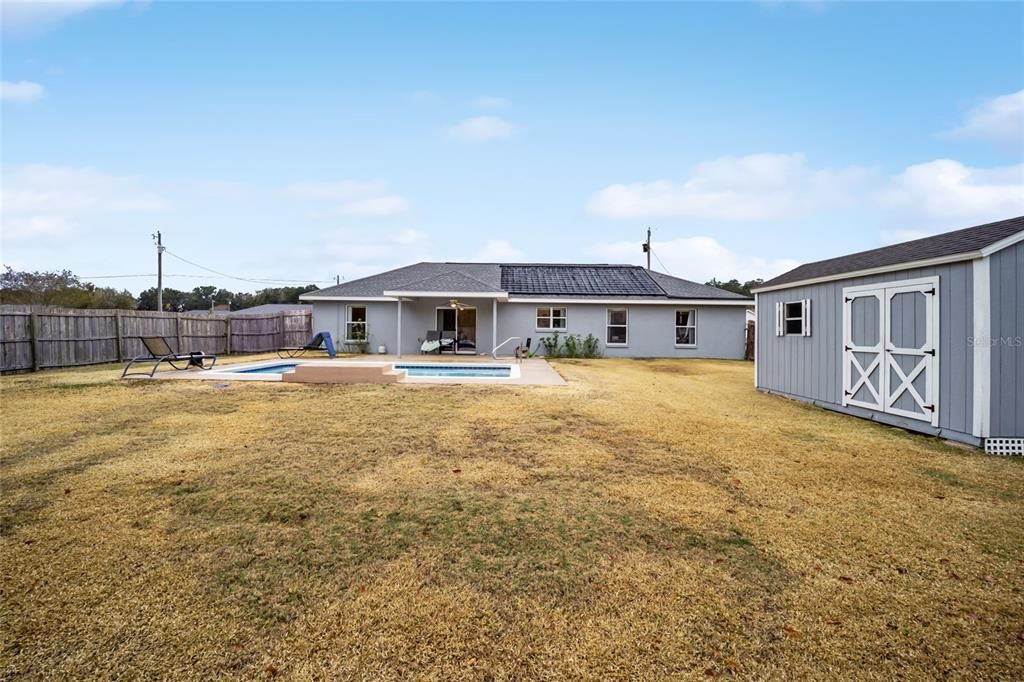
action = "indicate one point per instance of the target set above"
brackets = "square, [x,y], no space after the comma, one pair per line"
[494,353]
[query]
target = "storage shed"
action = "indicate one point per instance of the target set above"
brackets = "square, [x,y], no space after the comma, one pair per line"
[927,335]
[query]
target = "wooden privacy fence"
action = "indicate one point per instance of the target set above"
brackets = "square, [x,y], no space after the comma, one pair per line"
[39,337]
[748,346]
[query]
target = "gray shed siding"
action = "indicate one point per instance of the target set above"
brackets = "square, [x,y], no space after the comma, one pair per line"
[651,328]
[810,368]
[1006,270]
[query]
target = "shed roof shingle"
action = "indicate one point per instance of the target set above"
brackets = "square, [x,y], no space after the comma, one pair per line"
[967,240]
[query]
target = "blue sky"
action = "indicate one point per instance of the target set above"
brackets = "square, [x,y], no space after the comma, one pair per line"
[291,141]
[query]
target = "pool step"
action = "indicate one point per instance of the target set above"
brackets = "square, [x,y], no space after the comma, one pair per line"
[342,374]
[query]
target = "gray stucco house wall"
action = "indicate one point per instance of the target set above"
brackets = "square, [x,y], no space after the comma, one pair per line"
[966,346]
[720,329]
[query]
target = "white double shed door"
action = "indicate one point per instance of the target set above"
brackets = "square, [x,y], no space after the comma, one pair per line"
[891,348]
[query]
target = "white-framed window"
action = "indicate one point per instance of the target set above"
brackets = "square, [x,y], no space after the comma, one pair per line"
[617,331]
[355,323]
[686,328]
[793,318]
[551,318]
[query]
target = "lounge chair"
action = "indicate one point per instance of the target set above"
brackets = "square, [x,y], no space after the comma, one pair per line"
[322,340]
[160,351]
[432,344]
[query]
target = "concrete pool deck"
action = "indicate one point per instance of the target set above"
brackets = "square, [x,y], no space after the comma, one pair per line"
[376,369]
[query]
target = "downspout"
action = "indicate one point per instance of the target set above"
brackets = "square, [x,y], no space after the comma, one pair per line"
[494,326]
[398,344]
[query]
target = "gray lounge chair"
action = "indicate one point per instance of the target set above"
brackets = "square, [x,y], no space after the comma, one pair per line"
[432,344]
[160,351]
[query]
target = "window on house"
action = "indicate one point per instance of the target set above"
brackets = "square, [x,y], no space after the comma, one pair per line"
[793,318]
[686,327]
[355,323]
[618,327]
[551,318]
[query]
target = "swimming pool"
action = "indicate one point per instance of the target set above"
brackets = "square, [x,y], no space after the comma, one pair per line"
[456,371]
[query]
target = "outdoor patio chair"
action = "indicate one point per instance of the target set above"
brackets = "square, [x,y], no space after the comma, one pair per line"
[432,344]
[524,350]
[321,341]
[160,351]
[449,344]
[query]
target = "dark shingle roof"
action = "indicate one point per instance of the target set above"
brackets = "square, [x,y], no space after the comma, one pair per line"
[676,287]
[527,279]
[967,240]
[486,274]
[447,281]
[578,280]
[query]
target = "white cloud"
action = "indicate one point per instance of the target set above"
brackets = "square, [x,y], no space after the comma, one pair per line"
[480,128]
[754,187]
[353,198]
[31,227]
[38,200]
[697,259]
[946,192]
[355,253]
[999,118]
[488,102]
[30,17]
[497,251]
[20,92]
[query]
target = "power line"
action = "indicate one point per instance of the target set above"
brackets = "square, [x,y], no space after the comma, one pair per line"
[660,263]
[247,279]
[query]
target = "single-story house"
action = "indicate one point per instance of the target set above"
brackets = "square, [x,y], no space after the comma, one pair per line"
[927,335]
[491,308]
[264,309]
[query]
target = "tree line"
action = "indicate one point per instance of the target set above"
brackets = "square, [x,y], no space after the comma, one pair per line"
[66,290]
[735,286]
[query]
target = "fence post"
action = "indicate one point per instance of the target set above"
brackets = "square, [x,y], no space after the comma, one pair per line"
[227,335]
[118,333]
[177,328]
[280,330]
[33,337]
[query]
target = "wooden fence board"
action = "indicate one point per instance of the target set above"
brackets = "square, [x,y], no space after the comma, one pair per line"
[70,338]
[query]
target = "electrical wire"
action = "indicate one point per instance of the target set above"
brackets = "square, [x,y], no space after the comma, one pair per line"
[661,264]
[248,279]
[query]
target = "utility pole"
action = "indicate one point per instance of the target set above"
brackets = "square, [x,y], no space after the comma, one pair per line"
[159,272]
[647,248]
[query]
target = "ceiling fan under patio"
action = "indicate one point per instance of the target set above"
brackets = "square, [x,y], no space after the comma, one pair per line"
[454,303]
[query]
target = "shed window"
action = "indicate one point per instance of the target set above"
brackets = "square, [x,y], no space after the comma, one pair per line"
[355,323]
[551,318]
[793,318]
[617,333]
[686,327]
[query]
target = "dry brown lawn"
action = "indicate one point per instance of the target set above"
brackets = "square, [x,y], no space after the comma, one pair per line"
[651,520]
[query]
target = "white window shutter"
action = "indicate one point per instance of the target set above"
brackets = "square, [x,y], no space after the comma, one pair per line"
[778,319]
[807,317]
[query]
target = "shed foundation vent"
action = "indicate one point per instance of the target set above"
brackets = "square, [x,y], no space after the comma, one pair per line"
[1004,446]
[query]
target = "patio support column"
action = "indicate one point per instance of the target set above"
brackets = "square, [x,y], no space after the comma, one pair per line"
[494,326]
[398,346]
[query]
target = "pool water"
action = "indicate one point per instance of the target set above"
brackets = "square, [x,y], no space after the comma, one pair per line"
[267,369]
[460,371]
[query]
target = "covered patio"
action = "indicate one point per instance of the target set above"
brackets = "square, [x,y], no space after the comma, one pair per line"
[461,323]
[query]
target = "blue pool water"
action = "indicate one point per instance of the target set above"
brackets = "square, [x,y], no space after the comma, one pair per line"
[267,369]
[461,371]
